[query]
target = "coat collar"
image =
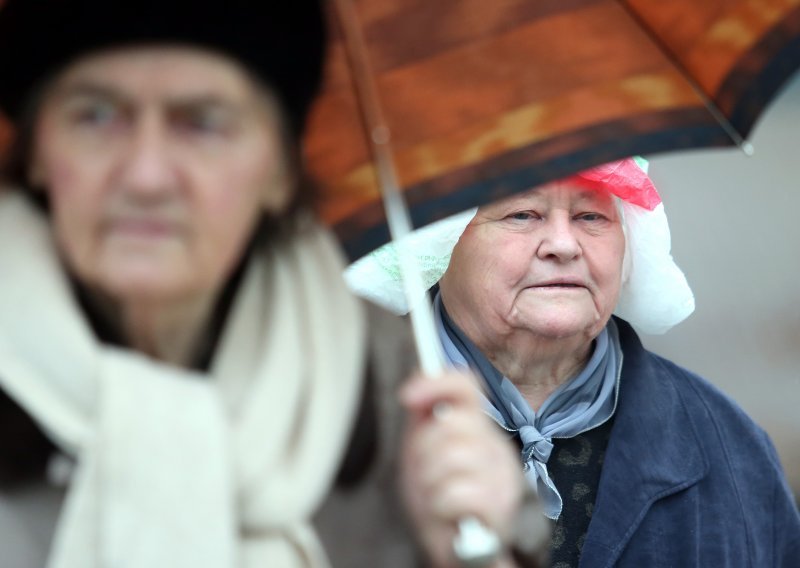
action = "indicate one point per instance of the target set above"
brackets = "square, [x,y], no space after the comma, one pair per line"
[654,451]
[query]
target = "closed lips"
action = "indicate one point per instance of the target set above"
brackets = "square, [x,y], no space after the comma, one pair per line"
[143,227]
[560,284]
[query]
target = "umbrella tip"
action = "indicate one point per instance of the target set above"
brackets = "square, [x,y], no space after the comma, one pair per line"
[747,148]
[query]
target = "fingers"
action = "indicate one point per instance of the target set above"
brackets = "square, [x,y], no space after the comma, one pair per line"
[420,394]
[459,443]
[464,468]
[457,464]
[463,496]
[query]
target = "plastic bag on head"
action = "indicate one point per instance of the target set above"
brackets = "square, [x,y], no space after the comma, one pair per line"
[655,295]
[377,277]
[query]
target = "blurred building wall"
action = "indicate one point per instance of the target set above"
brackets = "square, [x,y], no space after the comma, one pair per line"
[735,225]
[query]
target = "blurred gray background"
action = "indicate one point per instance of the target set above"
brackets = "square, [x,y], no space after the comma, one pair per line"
[735,224]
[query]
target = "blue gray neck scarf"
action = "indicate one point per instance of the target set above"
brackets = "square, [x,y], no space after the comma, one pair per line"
[576,406]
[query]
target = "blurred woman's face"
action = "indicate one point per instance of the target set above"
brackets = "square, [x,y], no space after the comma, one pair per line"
[158,163]
[547,263]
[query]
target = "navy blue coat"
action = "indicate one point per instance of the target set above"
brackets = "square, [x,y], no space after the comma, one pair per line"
[688,479]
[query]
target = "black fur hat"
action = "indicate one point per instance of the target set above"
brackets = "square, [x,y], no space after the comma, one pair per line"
[281,42]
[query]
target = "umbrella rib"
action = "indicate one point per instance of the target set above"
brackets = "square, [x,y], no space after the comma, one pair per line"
[707,101]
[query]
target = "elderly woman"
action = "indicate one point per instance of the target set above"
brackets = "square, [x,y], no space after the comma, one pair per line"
[184,378]
[641,462]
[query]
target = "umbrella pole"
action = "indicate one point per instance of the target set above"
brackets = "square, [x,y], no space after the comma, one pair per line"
[475,545]
[426,339]
[746,147]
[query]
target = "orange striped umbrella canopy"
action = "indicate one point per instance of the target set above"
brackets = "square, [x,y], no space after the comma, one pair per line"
[484,99]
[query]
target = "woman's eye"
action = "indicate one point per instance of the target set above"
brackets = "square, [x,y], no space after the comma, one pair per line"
[205,123]
[522,215]
[591,217]
[98,114]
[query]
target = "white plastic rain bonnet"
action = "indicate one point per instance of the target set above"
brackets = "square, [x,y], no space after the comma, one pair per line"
[654,295]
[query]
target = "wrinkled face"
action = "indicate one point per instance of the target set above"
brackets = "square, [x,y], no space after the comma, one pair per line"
[547,262]
[158,163]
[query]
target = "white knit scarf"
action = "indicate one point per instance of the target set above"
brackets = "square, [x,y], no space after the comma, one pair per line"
[177,469]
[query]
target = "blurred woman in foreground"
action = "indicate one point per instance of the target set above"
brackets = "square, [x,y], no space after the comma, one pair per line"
[184,379]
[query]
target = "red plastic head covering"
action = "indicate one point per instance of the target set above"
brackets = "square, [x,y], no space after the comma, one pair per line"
[624,178]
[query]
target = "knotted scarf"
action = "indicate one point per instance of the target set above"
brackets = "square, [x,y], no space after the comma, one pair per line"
[579,404]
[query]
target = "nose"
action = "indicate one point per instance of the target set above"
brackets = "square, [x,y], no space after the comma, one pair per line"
[559,241]
[147,170]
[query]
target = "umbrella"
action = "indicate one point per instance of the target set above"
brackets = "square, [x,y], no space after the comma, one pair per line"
[483,99]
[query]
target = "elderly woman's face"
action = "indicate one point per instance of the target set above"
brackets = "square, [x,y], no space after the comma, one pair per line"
[547,262]
[158,163]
